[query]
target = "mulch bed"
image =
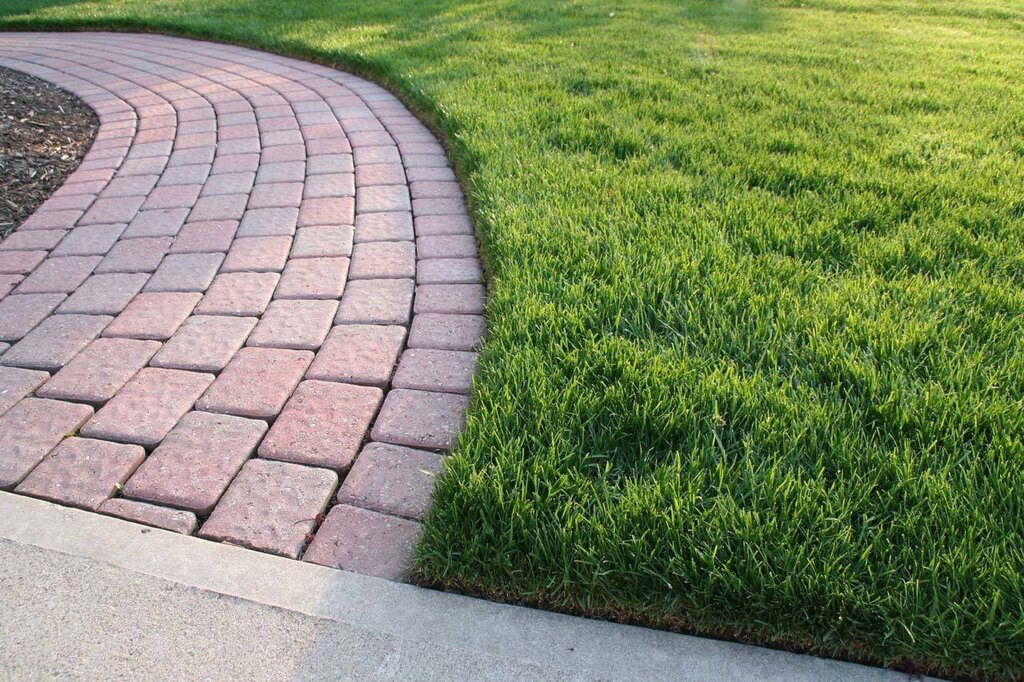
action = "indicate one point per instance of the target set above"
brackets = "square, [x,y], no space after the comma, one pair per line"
[44,133]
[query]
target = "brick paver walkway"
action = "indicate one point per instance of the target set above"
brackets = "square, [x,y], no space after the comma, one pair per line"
[250,314]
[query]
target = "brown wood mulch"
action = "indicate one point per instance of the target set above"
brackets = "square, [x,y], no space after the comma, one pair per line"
[44,133]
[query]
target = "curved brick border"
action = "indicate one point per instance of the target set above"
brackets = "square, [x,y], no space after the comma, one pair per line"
[216,301]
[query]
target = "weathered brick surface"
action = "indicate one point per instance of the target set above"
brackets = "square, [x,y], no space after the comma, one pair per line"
[462,299]
[427,369]
[196,461]
[377,301]
[241,294]
[205,343]
[55,341]
[449,271]
[271,506]
[29,430]
[384,227]
[160,222]
[148,406]
[185,272]
[82,472]
[321,242]
[87,240]
[322,278]
[256,383]
[383,260]
[300,325]
[153,315]
[421,419]
[59,275]
[258,254]
[210,236]
[20,313]
[366,542]
[16,383]
[447,332]
[99,371]
[174,520]
[104,294]
[135,255]
[323,424]
[392,479]
[358,353]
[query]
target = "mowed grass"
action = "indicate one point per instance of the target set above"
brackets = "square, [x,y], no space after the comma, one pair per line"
[756,310]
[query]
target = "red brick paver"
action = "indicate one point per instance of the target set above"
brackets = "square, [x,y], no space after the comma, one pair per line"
[281,225]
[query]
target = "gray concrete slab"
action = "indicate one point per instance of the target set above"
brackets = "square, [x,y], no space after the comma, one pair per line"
[86,596]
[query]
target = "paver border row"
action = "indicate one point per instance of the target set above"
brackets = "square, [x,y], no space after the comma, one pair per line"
[321,344]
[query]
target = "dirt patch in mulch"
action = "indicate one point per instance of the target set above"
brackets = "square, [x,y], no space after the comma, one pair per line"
[44,133]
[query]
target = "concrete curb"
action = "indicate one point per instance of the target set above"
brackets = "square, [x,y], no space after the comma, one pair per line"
[472,634]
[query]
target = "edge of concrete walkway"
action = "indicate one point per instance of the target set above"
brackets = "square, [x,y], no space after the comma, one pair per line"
[470,631]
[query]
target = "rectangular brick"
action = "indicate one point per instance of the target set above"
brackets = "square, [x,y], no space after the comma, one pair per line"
[384,227]
[88,240]
[16,383]
[295,324]
[367,542]
[30,430]
[322,278]
[185,272]
[322,242]
[271,506]
[55,341]
[194,464]
[392,479]
[82,472]
[148,406]
[258,254]
[268,222]
[244,294]
[421,419]
[323,424]
[209,236]
[20,313]
[376,301]
[59,275]
[428,369]
[383,260]
[104,294]
[20,262]
[205,343]
[447,332]
[461,299]
[256,383]
[157,222]
[174,520]
[99,371]
[153,315]
[357,353]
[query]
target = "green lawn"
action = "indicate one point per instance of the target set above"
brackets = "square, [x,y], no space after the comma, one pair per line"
[756,352]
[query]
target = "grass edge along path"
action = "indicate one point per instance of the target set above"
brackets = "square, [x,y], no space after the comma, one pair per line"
[754,366]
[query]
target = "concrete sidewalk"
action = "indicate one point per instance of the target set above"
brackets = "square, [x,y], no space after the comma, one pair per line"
[86,596]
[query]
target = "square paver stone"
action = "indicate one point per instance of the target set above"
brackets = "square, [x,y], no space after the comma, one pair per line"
[89,240]
[257,382]
[299,325]
[359,353]
[364,541]
[16,383]
[153,315]
[99,371]
[55,341]
[205,343]
[135,255]
[257,254]
[29,430]
[271,506]
[447,332]
[104,294]
[421,419]
[444,371]
[196,461]
[392,479]
[148,406]
[322,242]
[82,472]
[20,313]
[174,520]
[323,424]
[384,227]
